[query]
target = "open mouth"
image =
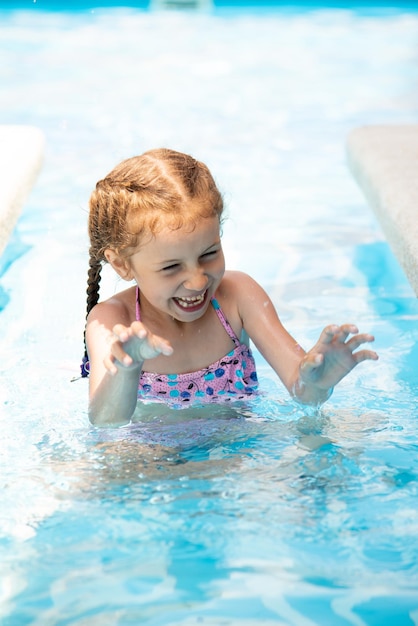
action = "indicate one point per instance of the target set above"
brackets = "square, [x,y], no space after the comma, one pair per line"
[191,303]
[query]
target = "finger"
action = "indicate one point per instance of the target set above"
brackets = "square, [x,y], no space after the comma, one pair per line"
[365,355]
[109,364]
[329,333]
[345,330]
[166,348]
[123,333]
[349,329]
[139,330]
[120,355]
[162,345]
[355,342]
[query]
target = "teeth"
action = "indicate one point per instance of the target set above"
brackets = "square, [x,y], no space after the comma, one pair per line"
[189,301]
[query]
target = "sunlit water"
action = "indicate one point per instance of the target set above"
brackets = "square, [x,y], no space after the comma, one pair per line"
[269,515]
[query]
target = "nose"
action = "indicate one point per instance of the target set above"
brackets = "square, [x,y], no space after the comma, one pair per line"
[196,280]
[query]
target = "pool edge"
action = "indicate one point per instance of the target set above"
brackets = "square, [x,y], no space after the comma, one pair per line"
[21,158]
[384,162]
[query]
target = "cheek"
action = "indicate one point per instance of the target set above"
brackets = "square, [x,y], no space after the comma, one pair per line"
[221,265]
[163,288]
[150,286]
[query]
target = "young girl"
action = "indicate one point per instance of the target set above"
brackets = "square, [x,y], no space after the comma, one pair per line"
[180,335]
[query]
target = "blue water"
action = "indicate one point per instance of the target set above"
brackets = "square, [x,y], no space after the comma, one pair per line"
[271,514]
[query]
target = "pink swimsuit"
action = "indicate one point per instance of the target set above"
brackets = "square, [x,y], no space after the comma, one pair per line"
[233,377]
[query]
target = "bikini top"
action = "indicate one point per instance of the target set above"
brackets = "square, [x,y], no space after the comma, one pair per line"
[233,377]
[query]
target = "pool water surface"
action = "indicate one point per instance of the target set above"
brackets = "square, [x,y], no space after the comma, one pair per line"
[268,514]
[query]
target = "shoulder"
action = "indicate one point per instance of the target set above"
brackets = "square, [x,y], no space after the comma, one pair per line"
[251,300]
[235,281]
[241,286]
[120,308]
[240,296]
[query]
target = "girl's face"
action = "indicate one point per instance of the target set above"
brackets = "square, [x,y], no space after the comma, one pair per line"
[178,271]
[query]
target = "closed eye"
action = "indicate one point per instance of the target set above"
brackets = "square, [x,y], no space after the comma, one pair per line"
[173,267]
[210,254]
[170,268]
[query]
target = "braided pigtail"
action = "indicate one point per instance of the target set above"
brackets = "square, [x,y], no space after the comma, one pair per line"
[93,288]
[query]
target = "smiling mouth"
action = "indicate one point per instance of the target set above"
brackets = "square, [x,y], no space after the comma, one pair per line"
[190,302]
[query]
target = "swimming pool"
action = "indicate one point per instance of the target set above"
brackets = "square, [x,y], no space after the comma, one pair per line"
[272,515]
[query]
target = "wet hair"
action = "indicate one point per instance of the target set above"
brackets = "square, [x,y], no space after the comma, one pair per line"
[138,197]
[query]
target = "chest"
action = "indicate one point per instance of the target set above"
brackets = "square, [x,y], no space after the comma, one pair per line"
[195,346]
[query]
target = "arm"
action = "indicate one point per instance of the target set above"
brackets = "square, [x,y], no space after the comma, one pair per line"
[310,377]
[117,350]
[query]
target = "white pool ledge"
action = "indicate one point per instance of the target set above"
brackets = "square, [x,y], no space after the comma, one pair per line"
[21,156]
[384,162]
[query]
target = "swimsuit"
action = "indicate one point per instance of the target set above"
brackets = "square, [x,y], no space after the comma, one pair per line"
[233,377]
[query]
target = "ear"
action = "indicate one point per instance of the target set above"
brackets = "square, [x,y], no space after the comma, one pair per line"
[121,266]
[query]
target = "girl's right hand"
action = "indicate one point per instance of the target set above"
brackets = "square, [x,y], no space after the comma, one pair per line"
[132,345]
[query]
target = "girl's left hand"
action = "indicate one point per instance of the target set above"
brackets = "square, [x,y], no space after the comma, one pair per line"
[333,356]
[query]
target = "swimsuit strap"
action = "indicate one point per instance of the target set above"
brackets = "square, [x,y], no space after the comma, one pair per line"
[224,321]
[227,326]
[137,310]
